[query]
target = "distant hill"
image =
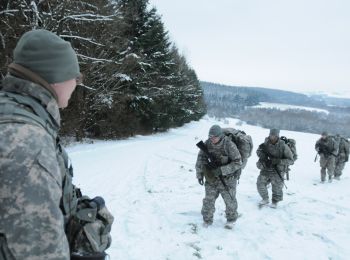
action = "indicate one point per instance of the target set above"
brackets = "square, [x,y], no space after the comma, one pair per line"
[248,104]
[333,101]
[263,94]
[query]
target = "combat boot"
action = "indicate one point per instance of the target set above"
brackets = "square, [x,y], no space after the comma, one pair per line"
[206,224]
[263,202]
[274,204]
[230,224]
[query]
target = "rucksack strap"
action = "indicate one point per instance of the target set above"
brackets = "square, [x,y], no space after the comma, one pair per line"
[12,104]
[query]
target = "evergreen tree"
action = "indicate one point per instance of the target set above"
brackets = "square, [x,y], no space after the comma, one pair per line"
[134,81]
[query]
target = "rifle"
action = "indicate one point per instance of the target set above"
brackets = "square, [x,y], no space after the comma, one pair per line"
[274,167]
[212,164]
[324,150]
[316,157]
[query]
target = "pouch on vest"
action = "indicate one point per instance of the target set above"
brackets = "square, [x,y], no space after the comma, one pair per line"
[89,229]
[208,174]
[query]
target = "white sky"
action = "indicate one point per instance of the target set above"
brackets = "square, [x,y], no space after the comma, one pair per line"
[300,45]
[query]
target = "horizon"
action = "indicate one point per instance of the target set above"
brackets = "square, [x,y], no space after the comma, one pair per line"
[314,93]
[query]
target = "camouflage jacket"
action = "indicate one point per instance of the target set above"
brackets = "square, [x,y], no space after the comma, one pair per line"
[326,147]
[225,148]
[32,174]
[274,156]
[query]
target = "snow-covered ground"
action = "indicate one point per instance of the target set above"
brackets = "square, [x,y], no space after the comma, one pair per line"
[149,185]
[286,107]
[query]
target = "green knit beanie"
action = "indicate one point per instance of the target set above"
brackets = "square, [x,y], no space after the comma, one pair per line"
[274,132]
[215,130]
[48,55]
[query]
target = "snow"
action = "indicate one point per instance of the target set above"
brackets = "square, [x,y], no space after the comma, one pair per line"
[286,107]
[334,94]
[149,185]
[123,77]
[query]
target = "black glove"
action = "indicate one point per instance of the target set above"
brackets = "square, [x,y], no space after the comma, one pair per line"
[268,163]
[200,181]
[212,166]
[346,159]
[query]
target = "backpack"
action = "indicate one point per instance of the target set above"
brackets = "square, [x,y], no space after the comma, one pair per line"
[292,145]
[243,142]
[346,144]
[88,220]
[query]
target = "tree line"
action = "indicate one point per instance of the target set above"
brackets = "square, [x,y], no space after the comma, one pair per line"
[135,79]
[229,101]
[298,120]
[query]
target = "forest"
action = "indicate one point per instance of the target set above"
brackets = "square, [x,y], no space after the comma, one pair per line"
[136,81]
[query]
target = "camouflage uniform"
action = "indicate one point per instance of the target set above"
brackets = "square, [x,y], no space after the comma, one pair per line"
[342,158]
[327,150]
[273,159]
[32,174]
[225,148]
[38,202]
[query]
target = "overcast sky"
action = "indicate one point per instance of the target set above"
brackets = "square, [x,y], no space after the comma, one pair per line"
[300,45]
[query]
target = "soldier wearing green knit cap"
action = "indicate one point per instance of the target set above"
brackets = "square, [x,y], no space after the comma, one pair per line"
[221,178]
[274,158]
[327,148]
[37,195]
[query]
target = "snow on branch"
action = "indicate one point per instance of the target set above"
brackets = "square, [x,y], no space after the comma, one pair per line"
[95,60]
[89,17]
[35,13]
[87,87]
[123,77]
[82,38]
[10,12]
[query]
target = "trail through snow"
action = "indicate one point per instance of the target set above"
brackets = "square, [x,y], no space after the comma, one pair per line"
[149,184]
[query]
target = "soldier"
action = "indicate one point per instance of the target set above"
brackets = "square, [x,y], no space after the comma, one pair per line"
[342,157]
[36,193]
[220,177]
[274,158]
[327,148]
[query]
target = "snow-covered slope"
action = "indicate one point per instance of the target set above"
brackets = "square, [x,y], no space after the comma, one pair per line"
[286,107]
[149,184]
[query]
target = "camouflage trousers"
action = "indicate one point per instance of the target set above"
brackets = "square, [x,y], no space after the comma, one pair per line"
[212,192]
[327,166]
[267,177]
[339,167]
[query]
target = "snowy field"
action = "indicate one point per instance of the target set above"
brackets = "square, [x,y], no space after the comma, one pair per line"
[283,107]
[150,186]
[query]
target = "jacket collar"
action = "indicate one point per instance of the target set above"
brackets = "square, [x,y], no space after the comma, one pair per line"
[29,88]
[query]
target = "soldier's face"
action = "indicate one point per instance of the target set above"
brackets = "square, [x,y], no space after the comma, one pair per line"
[214,139]
[323,137]
[64,91]
[273,138]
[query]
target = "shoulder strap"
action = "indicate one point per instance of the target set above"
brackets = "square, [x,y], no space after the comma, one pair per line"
[15,104]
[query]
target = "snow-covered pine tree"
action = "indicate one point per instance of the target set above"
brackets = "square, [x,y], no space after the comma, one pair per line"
[134,81]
